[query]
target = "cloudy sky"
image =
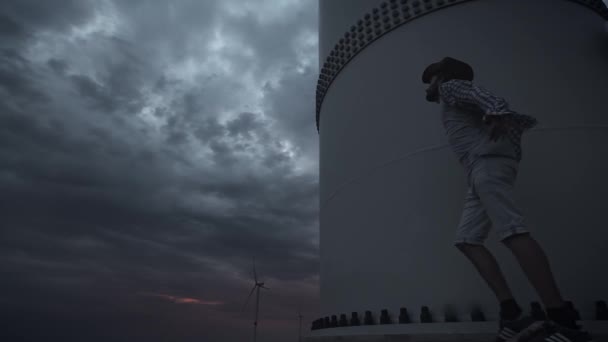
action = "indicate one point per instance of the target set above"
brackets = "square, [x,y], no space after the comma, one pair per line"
[148,151]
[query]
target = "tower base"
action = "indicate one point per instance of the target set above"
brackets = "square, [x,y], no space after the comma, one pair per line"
[431,332]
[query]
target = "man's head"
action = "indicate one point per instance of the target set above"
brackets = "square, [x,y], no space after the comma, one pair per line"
[443,71]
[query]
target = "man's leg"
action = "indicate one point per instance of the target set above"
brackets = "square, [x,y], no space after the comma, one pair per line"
[490,271]
[471,234]
[494,184]
[488,268]
[535,265]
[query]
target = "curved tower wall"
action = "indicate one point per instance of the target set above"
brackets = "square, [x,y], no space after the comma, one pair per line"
[391,190]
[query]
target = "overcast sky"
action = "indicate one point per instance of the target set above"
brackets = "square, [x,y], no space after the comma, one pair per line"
[148,151]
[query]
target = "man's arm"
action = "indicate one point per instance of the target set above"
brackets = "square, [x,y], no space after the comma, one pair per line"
[460,91]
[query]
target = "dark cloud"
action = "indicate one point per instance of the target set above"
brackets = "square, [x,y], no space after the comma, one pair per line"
[17,78]
[142,166]
[9,27]
[57,66]
[22,20]
[55,15]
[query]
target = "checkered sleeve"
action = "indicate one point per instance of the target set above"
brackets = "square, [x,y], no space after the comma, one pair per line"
[454,92]
[517,124]
[459,92]
[521,122]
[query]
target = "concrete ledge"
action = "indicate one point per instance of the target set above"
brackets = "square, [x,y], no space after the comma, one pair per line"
[406,338]
[427,338]
[431,332]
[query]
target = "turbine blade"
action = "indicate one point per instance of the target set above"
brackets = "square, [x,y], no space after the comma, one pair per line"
[247,301]
[255,275]
[264,287]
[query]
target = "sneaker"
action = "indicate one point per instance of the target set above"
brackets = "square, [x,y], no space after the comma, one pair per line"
[512,329]
[557,333]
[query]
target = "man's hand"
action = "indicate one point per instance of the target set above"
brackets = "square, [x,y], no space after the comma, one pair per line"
[498,126]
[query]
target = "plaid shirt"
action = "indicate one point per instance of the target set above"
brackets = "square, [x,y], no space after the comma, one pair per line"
[455,92]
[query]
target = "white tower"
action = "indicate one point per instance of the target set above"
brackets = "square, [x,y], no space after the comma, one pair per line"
[391,189]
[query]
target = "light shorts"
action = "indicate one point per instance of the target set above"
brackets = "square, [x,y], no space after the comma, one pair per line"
[489,202]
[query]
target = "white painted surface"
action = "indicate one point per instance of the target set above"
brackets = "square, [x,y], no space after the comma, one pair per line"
[391,190]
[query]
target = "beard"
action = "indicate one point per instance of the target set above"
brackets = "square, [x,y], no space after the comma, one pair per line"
[432,95]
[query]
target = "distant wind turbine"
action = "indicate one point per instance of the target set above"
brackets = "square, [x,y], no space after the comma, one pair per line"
[257,285]
[300,328]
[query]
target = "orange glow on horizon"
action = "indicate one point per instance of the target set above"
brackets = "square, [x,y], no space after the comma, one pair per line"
[181,300]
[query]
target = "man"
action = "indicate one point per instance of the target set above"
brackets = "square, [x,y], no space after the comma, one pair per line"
[486,137]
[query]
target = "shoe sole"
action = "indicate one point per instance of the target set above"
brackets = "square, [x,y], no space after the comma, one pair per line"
[528,332]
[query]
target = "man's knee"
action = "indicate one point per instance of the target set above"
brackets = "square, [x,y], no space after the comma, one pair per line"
[464,247]
[515,237]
